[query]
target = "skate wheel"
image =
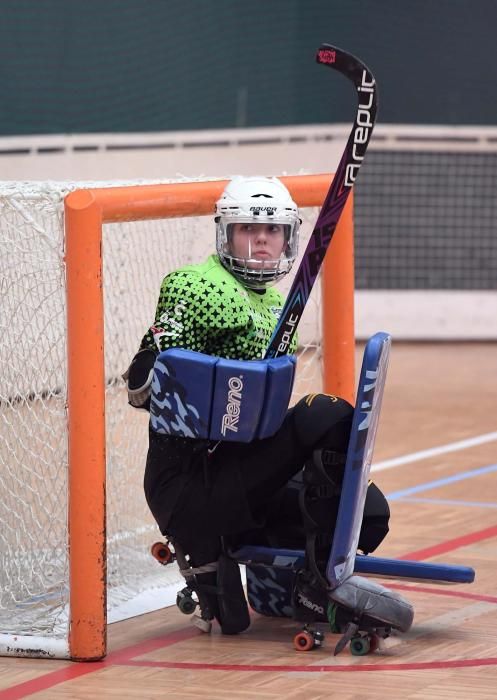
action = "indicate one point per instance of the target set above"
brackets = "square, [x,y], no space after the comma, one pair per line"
[161,552]
[304,641]
[185,602]
[359,646]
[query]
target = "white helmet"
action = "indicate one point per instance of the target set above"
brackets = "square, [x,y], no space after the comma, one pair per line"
[256,200]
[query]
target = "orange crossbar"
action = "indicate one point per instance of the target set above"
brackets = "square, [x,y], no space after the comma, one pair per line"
[85,212]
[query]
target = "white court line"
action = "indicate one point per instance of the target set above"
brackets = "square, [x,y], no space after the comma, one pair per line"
[426,454]
[440,624]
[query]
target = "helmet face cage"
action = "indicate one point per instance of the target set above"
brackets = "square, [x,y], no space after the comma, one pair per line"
[256,200]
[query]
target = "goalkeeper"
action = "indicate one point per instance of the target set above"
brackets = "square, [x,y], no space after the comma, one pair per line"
[202,490]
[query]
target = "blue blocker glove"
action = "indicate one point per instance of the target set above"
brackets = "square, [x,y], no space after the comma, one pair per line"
[200,396]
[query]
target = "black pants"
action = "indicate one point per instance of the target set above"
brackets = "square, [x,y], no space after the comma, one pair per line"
[239,487]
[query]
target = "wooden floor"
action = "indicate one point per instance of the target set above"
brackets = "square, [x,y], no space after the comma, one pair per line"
[436,396]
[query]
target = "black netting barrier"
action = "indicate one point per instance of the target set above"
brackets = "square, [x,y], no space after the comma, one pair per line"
[426,220]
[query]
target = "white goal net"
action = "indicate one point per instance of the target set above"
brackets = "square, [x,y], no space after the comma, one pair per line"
[34,580]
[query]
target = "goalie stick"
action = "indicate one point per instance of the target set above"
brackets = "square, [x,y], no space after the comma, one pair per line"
[350,162]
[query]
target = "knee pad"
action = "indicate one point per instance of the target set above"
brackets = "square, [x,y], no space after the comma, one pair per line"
[323,419]
[375,519]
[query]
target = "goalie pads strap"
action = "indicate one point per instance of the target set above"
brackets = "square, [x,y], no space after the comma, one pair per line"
[200,396]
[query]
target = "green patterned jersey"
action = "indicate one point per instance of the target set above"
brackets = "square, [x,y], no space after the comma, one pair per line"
[204,308]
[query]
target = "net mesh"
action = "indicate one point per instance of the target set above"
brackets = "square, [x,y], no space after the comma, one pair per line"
[34,589]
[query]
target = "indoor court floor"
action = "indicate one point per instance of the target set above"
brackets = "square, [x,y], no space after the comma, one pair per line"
[436,459]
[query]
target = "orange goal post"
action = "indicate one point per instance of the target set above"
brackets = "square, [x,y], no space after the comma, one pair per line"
[111,240]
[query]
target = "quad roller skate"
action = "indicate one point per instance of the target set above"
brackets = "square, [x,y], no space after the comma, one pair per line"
[363,634]
[192,596]
[164,554]
[362,611]
[214,590]
[362,639]
[373,611]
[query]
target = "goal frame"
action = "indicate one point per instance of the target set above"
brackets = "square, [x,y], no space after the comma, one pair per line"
[86,210]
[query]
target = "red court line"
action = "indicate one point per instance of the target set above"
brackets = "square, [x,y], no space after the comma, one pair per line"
[125,656]
[36,685]
[325,668]
[75,670]
[450,545]
[149,645]
[442,591]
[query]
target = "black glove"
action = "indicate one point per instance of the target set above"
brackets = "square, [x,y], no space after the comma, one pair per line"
[138,378]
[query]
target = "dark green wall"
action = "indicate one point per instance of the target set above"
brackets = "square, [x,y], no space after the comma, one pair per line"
[146,65]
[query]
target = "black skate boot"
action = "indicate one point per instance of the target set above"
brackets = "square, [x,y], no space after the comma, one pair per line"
[360,610]
[309,598]
[216,589]
[367,612]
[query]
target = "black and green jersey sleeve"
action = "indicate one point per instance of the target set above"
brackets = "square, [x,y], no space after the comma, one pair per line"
[204,308]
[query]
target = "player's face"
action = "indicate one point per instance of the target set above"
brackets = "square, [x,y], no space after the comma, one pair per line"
[257,242]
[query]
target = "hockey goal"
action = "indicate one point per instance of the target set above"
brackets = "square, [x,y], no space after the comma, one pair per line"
[75,529]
